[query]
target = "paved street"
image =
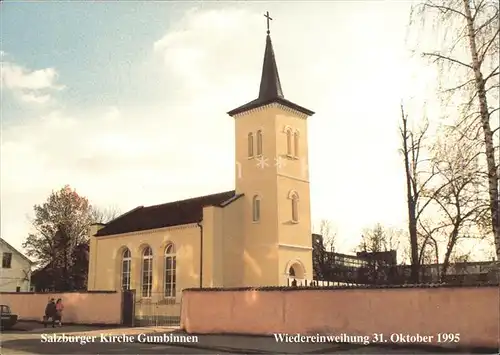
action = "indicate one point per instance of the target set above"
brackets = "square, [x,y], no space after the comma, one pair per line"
[24,343]
[34,339]
[30,342]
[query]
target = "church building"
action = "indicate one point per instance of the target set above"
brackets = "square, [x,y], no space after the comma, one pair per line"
[258,234]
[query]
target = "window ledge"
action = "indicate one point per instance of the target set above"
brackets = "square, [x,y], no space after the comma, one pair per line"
[256,222]
[296,157]
[294,222]
[289,156]
[250,158]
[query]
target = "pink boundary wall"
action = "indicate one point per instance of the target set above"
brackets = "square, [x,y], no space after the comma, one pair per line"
[79,307]
[472,312]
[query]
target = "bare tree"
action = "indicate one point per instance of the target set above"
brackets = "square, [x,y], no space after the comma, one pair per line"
[104,215]
[470,52]
[380,239]
[326,229]
[379,247]
[427,241]
[428,250]
[460,195]
[418,176]
[323,247]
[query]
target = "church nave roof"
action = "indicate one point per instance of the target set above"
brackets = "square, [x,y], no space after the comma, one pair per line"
[167,214]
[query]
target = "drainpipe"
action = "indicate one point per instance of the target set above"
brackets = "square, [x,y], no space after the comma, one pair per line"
[201,252]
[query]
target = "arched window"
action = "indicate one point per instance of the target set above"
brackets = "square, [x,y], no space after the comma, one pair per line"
[295,206]
[289,142]
[256,209]
[259,143]
[126,263]
[250,145]
[296,144]
[291,271]
[147,272]
[170,270]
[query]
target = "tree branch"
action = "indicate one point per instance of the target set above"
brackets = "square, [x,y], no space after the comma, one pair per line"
[431,198]
[477,9]
[444,9]
[487,46]
[471,81]
[486,23]
[438,57]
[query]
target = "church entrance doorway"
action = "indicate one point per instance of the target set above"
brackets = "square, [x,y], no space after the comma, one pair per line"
[295,273]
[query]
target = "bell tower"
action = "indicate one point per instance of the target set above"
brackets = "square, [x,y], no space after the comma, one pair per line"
[272,173]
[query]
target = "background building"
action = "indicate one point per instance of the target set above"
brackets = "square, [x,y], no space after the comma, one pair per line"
[15,272]
[382,268]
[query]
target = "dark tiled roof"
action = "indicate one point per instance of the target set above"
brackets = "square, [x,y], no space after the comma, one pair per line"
[258,103]
[270,86]
[166,215]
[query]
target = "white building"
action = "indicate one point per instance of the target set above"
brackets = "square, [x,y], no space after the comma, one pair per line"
[15,271]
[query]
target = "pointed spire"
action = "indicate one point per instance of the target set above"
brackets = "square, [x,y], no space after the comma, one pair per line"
[270,85]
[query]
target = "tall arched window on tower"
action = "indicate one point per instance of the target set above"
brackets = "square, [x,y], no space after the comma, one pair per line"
[296,144]
[250,145]
[259,143]
[126,263]
[170,269]
[147,272]
[289,142]
[256,209]
[294,197]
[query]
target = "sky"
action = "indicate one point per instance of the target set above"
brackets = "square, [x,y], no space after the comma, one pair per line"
[126,102]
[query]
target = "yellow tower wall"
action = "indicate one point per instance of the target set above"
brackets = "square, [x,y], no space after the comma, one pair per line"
[264,257]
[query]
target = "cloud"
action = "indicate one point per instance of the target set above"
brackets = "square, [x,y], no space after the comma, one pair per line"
[16,77]
[31,86]
[31,97]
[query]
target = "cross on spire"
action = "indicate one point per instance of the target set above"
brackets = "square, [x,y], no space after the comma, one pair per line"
[270,90]
[266,15]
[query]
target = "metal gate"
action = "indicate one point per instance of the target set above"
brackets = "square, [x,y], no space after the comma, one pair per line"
[163,312]
[128,304]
